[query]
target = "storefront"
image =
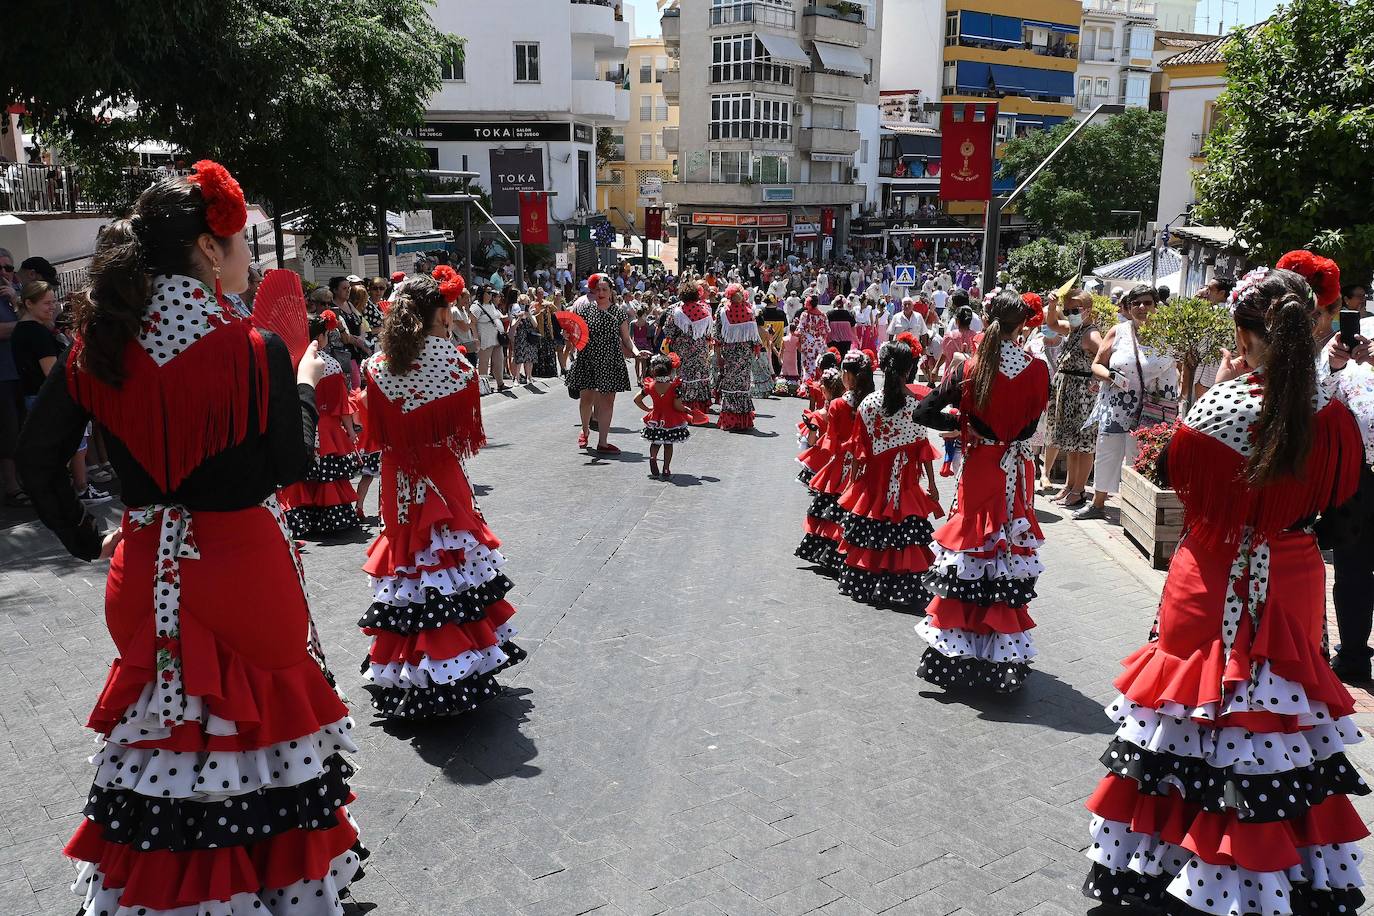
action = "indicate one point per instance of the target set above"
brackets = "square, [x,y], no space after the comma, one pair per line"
[733,237]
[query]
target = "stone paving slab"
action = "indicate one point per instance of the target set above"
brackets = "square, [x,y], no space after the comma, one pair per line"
[702,727]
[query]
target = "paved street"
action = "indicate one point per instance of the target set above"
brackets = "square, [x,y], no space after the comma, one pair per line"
[701,728]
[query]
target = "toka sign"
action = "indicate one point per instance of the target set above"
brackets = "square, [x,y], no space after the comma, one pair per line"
[513,171]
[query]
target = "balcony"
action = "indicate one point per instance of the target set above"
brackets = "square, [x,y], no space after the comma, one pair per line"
[746,12]
[595,21]
[725,194]
[832,86]
[822,23]
[600,100]
[672,86]
[670,140]
[828,140]
[672,30]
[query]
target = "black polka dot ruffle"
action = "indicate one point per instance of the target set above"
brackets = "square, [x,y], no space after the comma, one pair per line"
[820,552]
[329,468]
[877,534]
[965,673]
[1148,895]
[1254,797]
[442,699]
[322,521]
[985,592]
[146,823]
[655,434]
[438,609]
[884,589]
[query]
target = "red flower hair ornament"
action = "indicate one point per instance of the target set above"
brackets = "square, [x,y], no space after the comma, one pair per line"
[450,283]
[225,212]
[675,360]
[331,320]
[397,276]
[1322,274]
[911,341]
[1035,309]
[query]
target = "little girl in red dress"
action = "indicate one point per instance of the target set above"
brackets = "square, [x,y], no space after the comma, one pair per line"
[668,420]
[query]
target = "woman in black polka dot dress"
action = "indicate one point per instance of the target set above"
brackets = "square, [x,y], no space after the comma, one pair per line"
[439,621]
[1228,785]
[322,504]
[220,785]
[599,372]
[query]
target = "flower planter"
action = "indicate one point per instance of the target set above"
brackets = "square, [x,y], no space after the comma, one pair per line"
[1151,517]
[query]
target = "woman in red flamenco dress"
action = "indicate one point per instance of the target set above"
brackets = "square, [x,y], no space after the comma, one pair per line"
[1229,783]
[439,621]
[883,513]
[987,555]
[832,461]
[322,504]
[219,787]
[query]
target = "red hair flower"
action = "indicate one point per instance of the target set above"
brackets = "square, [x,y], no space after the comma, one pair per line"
[911,341]
[1322,274]
[1035,309]
[675,360]
[450,282]
[225,212]
[331,320]
[397,276]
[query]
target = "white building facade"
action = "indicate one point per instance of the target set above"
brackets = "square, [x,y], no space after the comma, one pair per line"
[523,106]
[778,123]
[1193,79]
[1115,54]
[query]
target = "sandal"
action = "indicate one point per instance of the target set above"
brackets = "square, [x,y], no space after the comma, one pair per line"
[581,440]
[607,449]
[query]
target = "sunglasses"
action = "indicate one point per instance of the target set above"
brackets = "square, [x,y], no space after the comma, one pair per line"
[1072,311]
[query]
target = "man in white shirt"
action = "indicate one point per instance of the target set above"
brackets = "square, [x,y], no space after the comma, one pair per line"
[908,319]
[873,293]
[822,281]
[778,288]
[938,299]
[856,279]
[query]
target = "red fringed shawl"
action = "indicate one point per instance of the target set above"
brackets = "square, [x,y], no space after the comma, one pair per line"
[436,403]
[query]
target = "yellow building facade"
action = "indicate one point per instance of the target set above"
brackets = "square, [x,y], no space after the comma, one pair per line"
[646,148]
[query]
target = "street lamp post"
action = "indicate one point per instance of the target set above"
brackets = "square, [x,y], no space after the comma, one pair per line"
[993,229]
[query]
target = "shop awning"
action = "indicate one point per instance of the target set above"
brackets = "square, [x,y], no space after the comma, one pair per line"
[841,59]
[783,49]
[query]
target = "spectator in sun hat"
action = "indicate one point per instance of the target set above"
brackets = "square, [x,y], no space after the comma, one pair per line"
[37,268]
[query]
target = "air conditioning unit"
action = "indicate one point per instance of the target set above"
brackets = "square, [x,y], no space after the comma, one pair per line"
[796,109]
[854,173]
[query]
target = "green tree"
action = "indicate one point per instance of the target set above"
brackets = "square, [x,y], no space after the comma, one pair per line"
[607,150]
[1045,263]
[1288,162]
[313,104]
[1110,166]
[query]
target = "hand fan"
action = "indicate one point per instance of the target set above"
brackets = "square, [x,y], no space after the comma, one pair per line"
[279,307]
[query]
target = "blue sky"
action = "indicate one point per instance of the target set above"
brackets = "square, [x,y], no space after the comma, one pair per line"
[1209,13]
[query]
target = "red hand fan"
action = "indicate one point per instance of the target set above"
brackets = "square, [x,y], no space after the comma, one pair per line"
[574,328]
[279,307]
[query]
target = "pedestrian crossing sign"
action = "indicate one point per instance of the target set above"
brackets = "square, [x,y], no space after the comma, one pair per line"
[906,275]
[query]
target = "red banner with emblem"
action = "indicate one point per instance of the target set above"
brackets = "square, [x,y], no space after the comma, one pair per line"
[653,222]
[966,160]
[534,217]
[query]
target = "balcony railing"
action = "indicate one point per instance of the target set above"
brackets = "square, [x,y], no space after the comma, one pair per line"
[753,71]
[1197,146]
[756,13]
[61,189]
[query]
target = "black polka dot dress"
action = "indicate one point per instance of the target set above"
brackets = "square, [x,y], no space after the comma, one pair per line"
[600,365]
[324,503]
[1228,785]
[439,620]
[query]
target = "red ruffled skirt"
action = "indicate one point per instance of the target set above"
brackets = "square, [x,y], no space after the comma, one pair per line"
[323,504]
[1232,771]
[246,795]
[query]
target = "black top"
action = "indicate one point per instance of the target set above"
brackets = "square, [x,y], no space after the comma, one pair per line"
[930,413]
[772,314]
[31,342]
[241,476]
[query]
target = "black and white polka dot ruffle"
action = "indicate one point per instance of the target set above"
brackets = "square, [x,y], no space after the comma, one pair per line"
[1255,798]
[432,702]
[438,608]
[1148,895]
[329,468]
[804,477]
[964,673]
[322,521]
[884,589]
[658,434]
[820,552]
[878,534]
[143,822]
[947,583]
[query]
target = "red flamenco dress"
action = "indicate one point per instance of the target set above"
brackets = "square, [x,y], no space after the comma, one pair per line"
[830,462]
[987,555]
[664,423]
[1229,783]
[439,621]
[884,513]
[323,503]
[219,786]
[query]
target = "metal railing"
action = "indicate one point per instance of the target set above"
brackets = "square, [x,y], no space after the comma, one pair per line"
[1197,146]
[758,13]
[62,189]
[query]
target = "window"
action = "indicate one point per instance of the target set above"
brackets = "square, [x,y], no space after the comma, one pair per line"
[646,108]
[775,13]
[743,116]
[659,152]
[1104,87]
[863,151]
[770,169]
[733,167]
[660,68]
[584,178]
[739,58]
[646,71]
[646,146]
[1087,44]
[1085,91]
[660,108]
[1135,90]
[527,61]
[451,66]
[1142,41]
[952,28]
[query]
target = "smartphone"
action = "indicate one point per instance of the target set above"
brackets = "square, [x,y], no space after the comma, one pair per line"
[1350,328]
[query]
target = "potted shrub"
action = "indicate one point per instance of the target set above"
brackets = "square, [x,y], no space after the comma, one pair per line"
[1151,515]
[1192,331]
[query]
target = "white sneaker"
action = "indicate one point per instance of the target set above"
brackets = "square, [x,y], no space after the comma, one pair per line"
[93,495]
